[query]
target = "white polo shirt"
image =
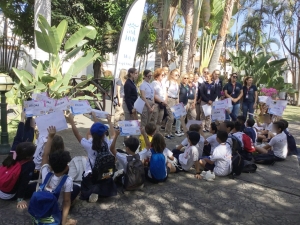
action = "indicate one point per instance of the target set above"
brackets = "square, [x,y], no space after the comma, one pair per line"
[159,89]
[148,89]
[172,89]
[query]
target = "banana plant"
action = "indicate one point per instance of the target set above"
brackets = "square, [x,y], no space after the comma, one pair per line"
[48,74]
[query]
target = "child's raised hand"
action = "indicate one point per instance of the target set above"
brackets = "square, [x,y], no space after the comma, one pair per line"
[69,116]
[108,117]
[51,131]
[117,132]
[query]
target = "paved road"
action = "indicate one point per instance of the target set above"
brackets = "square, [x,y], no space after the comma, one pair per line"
[270,196]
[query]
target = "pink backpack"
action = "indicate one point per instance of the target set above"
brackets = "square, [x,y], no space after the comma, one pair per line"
[9,176]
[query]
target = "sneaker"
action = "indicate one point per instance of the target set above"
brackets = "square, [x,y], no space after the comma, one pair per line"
[171,135]
[179,134]
[93,198]
[209,176]
[118,173]
[168,137]
[203,173]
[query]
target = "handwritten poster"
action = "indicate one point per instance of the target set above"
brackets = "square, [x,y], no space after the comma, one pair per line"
[34,108]
[178,110]
[62,104]
[218,114]
[80,107]
[131,127]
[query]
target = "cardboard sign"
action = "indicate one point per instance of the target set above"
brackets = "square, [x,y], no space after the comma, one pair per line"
[80,107]
[131,127]
[100,114]
[34,108]
[223,104]
[178,110]
[62,104]
[218,114]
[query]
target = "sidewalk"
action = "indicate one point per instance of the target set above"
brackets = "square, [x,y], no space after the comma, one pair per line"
[269,196]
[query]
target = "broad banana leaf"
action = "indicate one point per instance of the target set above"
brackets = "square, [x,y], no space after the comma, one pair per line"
[61,30]
[23,76]
[87,31]
[43,41]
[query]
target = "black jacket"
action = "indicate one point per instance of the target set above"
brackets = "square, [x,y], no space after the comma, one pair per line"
[219,88]
[130,94]
[205,95]
[183,94]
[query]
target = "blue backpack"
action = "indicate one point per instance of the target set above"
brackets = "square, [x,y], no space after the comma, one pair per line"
[43,205]
[158,165]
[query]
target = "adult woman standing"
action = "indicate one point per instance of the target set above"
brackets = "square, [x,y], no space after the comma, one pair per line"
[119,112]
[183,98]
[249,97]
[192,98]
[208,96]
[234,91]
[130,94]
[160,96]
[197,84]
[218,83]
[173,98]
[147,95]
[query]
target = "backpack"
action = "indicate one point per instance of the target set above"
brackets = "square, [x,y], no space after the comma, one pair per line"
[135,173]
[43,205]
[248,143]
[77,167]
[237,163]
[158,165]
[104,166]
[291,143]
[10,175]
[236,144]
[249,167]
[251,133]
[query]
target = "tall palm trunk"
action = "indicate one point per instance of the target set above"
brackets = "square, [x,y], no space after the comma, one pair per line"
[42,7]
[194,35]
[188,14]
[221,35]
[159,35]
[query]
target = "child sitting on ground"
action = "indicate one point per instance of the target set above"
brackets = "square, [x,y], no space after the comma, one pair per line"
[193,127]
[97,146]
[212,140]
[219,163]
[250,131]
[58,163]
[150,129]
[18,190]
[190,156]
[292,147]
[277,147]
[266,133]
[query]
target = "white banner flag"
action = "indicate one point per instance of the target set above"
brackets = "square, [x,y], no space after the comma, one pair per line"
[129,37]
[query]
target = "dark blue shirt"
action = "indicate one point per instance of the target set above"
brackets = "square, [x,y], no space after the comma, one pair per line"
[249,94]
[192,91]
[219,88]
[233,90]
[208,92]
[130,94]
[183,93]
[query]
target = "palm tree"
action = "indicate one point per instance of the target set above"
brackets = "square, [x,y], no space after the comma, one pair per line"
[221,35]
[42,7]
[188,10]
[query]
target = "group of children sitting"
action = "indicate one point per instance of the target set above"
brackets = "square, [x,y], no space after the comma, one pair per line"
[146,157]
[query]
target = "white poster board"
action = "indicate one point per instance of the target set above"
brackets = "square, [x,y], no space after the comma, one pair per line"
[218,114]
[131,127]
[34,108]
[80,107]
[207,109]
[178,110]
[139,105]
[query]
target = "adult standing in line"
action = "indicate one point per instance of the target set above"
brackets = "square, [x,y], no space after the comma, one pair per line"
[119,112]
[208,96]
[183,97]
[130,94]
[234,91]
[197,84]
[201,80]
[192,98]
[218,83]
[173,98]
[147,95]
[205,71]
[160,95]
[249,97]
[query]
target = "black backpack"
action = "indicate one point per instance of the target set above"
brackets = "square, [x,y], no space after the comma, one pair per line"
[104,166]
[265,159]
[237,163]
[249,167]
[237,147]
[134,177]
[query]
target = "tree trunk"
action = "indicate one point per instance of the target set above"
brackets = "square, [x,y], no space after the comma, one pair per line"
[187,34]
[194,36]
[97,69]
[159,35]
[222,34]
[298,99]
[41,7]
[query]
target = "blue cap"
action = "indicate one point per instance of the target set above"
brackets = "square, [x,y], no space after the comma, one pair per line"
[98,128]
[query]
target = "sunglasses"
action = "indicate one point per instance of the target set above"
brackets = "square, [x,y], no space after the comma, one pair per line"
[185,78]
[206,72]
[234,76]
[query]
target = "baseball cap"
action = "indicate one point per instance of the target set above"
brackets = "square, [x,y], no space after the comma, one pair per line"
[98,128]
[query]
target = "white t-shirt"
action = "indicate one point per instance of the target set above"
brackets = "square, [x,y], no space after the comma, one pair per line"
[147,154]
[268,127]
[212,140]
[148,89]
[188,158]
[172,89]
[222,159]
[201,80]
[122,158]
[38,155]
[54,181]
[159,89]
[199,146]
[279,145]
[87,145]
